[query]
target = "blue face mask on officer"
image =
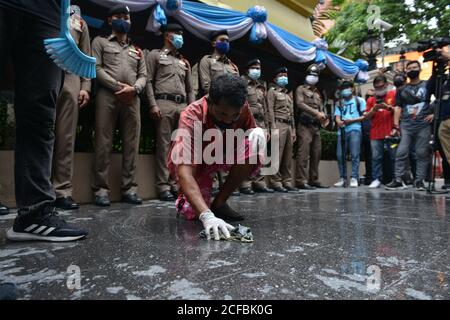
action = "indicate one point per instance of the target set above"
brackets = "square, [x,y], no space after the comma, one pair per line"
[177,41]
[223,47]
[254,73]
[282,81]
[121,25]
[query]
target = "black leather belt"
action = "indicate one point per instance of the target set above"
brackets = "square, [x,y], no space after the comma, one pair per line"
[283,120]
[172,97]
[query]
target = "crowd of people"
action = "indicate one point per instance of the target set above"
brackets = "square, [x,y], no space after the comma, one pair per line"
[226,98]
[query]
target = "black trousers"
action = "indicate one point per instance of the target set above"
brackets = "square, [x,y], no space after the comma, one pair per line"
[366,152]
[37,84]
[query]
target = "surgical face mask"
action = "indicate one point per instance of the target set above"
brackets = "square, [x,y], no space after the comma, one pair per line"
[255,74]
[282,81]
[121,26]
[381,92]
[312,80]
[413,74]
[347,93]
[177,41]
[223,47]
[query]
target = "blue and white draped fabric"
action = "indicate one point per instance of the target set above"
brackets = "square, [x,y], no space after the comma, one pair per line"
[290,46]
[321,50]
[201,19]
[363,74]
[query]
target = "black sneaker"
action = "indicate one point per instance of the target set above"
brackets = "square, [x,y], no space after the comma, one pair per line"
[420,186]
[396,185]
[132,199]
[43,225]
[4,210]
[247,191]
[66,203]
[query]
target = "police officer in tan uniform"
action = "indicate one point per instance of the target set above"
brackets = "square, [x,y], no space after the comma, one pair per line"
[257,90]
[310,118]
[217,63]
[213,65]
[282,104]
[169,90]
[121,76]
[74,95]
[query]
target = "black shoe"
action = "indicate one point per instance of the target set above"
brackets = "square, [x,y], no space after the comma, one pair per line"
[280,189]
[263,190]
[3,210]
[66,203]
[43,225]
[318,185]
[291,189]
[132,198]
[305,187]
[226,213]
[420,186]
[247,191]
[102,201]
[396,185]
[236,194]
[166,196]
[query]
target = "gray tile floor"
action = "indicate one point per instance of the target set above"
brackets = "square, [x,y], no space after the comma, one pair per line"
[312,245]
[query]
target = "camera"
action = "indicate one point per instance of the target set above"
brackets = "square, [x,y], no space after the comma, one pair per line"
[432,45]
[393,141]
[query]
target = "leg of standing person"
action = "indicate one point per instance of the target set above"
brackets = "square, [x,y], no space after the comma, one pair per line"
[106,114]
[423,152]
[377,159]
[65,133]
[355,152]
[130,127]
[37,84]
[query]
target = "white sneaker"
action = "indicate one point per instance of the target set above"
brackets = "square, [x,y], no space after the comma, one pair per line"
[375,184]
[340,183]
[354,183]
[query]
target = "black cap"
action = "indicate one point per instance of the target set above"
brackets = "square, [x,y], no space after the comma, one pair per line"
[217,33]
[118,9]
[253,62]
[281,70]
[171,27]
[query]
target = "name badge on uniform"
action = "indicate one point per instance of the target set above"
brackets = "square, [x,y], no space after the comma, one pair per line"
[134,53]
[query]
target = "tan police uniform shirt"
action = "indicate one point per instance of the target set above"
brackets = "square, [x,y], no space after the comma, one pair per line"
[211,66]
[281,103]
[119,63]
[168,73]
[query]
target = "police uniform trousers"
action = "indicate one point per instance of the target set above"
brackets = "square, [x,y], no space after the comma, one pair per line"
[309,148]
[259,181]
[65,133]
[170,112]
[109,112]
[283,178]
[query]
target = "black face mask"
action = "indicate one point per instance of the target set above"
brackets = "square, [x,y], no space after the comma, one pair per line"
[413,74]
